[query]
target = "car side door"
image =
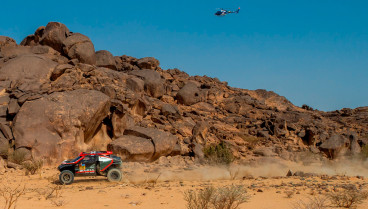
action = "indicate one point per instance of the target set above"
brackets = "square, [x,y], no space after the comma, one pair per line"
[87,166]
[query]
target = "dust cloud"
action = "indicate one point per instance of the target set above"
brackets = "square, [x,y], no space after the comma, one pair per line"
[261,168]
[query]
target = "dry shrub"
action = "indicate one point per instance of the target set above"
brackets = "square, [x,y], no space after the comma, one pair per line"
[252,141]
[54,179]
[11,195]
[18,156]
[153,182]
[347,198]
[58,202]
[54,194]
[234,173]
[316,202]
[230,197]
[32,166]
[200,199]
[218,154]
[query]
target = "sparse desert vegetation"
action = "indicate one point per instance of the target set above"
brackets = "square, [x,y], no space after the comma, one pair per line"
[228,197]
[219,154]
[10,194]
[347,198]
[32,166]
[220,146]
[171,186]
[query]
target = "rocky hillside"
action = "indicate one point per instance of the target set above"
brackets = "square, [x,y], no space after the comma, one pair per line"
[58,97]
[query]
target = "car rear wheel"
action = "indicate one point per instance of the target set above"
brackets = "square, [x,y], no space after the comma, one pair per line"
[66,177]
[114,175]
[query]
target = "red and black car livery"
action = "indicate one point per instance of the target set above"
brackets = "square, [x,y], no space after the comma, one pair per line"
[101,163]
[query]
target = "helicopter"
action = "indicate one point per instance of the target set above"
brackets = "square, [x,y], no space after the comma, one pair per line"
[223,12]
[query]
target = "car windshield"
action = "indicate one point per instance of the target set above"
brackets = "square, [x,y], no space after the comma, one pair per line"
[79,157]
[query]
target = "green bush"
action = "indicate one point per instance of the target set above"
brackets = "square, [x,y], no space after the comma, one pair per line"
[219,154]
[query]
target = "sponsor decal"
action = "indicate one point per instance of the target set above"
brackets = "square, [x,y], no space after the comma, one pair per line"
[82,167]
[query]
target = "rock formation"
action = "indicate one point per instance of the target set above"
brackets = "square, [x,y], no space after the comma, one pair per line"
[58,97]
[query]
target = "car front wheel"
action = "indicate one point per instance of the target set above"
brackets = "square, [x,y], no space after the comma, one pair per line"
[66,177]
[114,175]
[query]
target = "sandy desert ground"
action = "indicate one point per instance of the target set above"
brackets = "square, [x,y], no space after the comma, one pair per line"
[162,186]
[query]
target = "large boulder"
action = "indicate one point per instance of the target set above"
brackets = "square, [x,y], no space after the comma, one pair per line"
[130,145]
[335,145]
[170,110]
[79,46]
[34,39]
[135,84]
[189,94]
[59,70]
[6,41]
[28,72]
[105,59]
[121,121]
[148,63]
[13,107]
[61,123]
[6,131]
[153,83]
[132,148]
[54,35]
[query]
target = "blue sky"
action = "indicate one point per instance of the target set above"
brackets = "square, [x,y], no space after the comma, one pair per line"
[312,52]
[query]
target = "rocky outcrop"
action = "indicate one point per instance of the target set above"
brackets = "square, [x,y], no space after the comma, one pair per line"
[6,41]
[132,148]
[54,35]
[27,72]
[60,122]
[189,94]
[148,63]
[78,46]
[153,84]
[105,59]
[156,144]
[58,96]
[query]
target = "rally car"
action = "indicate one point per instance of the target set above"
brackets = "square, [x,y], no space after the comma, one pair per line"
[96,163]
